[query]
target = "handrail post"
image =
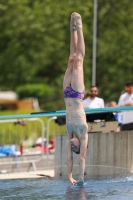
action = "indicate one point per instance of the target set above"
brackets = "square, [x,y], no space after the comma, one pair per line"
[47,132]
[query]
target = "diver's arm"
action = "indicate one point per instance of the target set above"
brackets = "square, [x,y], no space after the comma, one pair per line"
[69,161]
[83,148]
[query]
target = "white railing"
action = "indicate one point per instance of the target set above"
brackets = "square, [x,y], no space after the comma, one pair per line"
[2,141]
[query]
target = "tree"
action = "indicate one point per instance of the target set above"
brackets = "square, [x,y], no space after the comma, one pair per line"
[114,60]
[35,41]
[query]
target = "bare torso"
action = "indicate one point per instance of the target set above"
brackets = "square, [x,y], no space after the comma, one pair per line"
[75,118]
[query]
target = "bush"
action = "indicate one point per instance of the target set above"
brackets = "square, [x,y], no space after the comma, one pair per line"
[34,90]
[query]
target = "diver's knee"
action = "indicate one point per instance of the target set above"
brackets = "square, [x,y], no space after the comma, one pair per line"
[78,61]
[71,59]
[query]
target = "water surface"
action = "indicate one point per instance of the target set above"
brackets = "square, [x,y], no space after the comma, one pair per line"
[38,189]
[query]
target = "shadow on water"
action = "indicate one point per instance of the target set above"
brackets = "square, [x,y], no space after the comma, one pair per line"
[74,192]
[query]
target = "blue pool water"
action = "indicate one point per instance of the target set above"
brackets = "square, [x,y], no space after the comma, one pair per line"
[38,189]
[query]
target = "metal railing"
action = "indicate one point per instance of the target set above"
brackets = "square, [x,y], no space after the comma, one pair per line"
[30,161]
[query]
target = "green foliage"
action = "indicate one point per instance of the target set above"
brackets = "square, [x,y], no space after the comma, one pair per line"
[114,59]
[34,90]
[44,93]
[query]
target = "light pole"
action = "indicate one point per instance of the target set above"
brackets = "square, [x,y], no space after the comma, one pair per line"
[94,43]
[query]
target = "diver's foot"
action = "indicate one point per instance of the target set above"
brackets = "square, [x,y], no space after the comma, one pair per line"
[73,22]
[78,20]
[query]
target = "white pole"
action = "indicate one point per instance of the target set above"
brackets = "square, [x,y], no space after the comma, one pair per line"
[47,132]
[94,43]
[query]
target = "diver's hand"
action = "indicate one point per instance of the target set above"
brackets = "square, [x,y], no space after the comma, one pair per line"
[73,181]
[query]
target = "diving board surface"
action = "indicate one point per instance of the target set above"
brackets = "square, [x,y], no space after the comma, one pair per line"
[63,112]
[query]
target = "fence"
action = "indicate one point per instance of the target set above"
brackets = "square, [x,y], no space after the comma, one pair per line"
[16,132]
[58,130]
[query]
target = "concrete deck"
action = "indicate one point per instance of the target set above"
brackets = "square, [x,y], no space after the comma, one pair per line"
[31,174]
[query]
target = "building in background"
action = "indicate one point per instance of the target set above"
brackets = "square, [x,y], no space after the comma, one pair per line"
[9,101]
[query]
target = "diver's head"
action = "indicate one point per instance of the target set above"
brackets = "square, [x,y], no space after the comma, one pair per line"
[75,145]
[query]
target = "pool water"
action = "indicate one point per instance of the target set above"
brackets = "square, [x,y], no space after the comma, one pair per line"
[38,189]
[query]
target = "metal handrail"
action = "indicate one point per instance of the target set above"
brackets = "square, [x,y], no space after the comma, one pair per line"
[42,134]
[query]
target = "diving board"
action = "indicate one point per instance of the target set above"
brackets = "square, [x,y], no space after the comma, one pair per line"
[63,112]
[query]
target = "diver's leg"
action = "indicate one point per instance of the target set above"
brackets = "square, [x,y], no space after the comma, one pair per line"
[80,39]
[73,48]
[73,40]
[77,73]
